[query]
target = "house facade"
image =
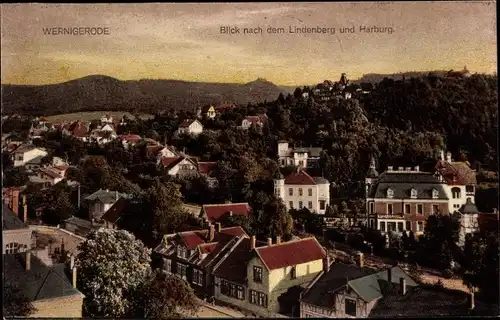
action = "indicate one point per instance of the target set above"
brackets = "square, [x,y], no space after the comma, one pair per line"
[17,236]
[401,199]
[29,157]
[299,157]
[100,201]
[189,126]
[180,166]
[259,120]
[300,190]
[254,277]
[129,140]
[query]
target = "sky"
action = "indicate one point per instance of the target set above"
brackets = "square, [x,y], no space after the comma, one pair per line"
[184,41]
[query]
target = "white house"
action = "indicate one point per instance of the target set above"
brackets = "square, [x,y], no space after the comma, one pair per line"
[29,156]
[102,136]
[299,157]
[258,120]
[130,140]
[179,166]
[300,190]
[190,126]
[49,176]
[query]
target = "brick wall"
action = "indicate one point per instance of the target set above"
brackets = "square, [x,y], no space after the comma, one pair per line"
[66,307]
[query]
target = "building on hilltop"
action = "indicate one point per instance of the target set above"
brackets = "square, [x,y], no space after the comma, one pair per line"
[299,157]
[299,190]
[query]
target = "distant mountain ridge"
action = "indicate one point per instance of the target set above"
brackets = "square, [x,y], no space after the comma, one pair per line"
[99,92]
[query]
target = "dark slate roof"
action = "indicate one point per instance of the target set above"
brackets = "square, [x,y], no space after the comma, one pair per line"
[105,196]
[114,213]
[469,207]
[322,293]
[41,282]
[402,182]
[421,302]
[10,221]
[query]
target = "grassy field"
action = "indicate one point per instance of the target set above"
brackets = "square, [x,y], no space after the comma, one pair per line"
[88,116]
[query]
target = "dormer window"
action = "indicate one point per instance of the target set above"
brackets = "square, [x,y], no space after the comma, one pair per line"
[390,193]
[435,194]
[181,252]
[413,193]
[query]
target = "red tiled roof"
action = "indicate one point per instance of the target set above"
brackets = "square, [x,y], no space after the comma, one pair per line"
[300,178]
[253,119]
[130,137]
[170,162]
[78,129]
[208,247]
[50,173]
[214,212]
[206,168]
[152,151]
[193,238]
[291,253]
[114,213]
[62,167]
[456,173]
[11,147]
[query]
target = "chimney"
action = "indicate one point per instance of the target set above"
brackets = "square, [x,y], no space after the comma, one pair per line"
[326,261]
[74,276]
[402,285]
[218,226]
[471,300]
[212,232]
[15,201]
[361,260]
[389,168]
[72,262]
[25,206]
[400,168]
[389,274]
[448,157]
[252,242]
[116,195]
[417,168]
[269,242]
[28,260]
[278,240]
[441,153]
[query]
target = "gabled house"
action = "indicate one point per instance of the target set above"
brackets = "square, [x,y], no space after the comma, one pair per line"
[114,213]
[179,166]
[191,255]
[129,140]
[208,170]
[190,126]
[214,212]
[255,278]
[29,156]
[100,201]
[353,291]
[102,137]
[299,157]
[106,119]
[299,190]
[259,120]
[77,129]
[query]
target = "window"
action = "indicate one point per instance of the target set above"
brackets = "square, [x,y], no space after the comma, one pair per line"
[20,157]
[435,208]
[400,227]
[420,226]
[382,226]
[322,204]
[455,193]
[350,307]
[391,226]
[310,192]
[282,161]
[413,193]
[469,189]
[420,209]
[300,191]
[300,205]
[291,204]
[408,225]
[435,194]
[293,273]
[257,274]
[290,191]
[232,290]
[301,163]
[407,208]
[258,298]
[278,192]
[389,209]
[371,208]
[182,252]
[310,205]
[390,193]
[198,277]
[15,247]
[182,271]
[167,263]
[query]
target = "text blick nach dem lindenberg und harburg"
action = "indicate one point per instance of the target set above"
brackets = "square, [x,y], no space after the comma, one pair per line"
[232,30]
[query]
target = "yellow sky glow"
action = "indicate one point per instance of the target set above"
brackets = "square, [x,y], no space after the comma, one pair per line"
[183,41]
